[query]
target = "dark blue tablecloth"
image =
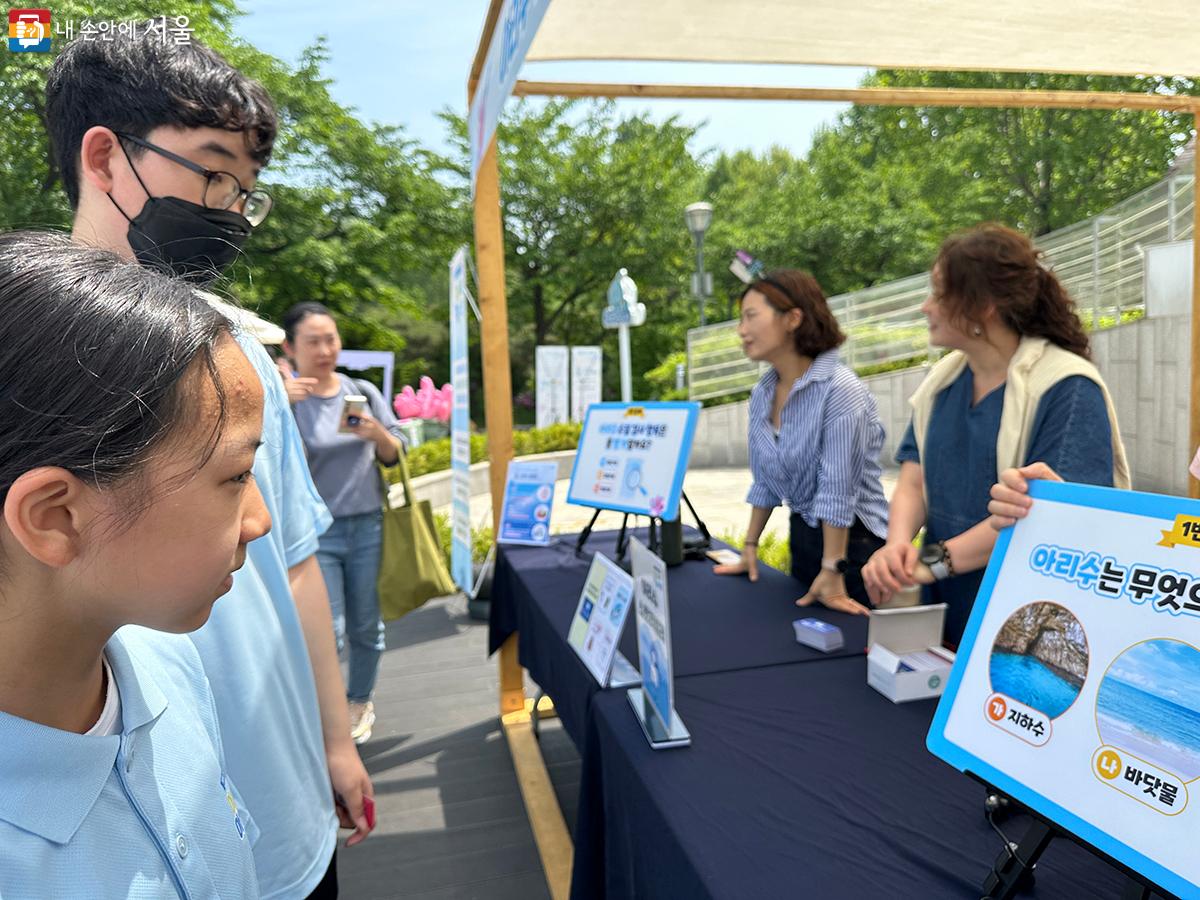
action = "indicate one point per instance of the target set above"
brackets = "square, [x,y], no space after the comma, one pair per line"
[801,781]
[718,623]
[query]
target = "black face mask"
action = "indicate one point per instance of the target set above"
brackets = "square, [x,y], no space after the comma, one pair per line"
[182,238]
[186,239]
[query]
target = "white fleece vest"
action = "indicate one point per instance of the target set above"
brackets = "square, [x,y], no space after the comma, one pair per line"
[1035,368]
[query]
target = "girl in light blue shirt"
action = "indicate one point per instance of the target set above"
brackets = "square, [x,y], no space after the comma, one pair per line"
[127,501]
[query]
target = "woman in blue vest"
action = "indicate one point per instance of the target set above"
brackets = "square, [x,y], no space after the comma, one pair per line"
[1018,387]
[815,437]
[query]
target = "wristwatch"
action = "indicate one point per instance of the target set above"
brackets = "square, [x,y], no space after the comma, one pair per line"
[836,565]
[937,558]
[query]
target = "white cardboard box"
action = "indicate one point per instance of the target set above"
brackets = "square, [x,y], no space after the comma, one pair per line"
[893,634]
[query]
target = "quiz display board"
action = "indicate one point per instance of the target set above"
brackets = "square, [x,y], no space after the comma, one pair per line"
[653,631]
[1076,689]
[528,502]
[632,457]
[600,616]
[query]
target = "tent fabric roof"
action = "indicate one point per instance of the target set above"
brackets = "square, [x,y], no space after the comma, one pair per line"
[1114,37]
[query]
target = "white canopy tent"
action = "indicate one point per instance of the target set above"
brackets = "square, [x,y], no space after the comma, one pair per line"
[1114,37]
[1101,37]
[266,332]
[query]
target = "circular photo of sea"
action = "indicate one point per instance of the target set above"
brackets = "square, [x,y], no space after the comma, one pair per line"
[1040,658]
[1149,704]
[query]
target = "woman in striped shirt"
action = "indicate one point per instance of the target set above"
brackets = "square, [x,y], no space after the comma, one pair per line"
[815,437]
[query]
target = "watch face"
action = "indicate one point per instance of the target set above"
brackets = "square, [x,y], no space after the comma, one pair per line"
[931,554]
[843,565]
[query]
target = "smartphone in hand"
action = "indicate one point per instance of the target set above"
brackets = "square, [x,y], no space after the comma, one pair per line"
[353,407]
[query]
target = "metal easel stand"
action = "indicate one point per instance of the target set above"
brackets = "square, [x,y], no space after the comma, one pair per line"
[1016,867]
[656,525]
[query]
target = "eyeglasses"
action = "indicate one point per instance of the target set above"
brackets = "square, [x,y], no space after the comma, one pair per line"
[221,189]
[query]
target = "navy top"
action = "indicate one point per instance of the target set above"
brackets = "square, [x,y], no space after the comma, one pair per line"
[1071,434]
[824,463]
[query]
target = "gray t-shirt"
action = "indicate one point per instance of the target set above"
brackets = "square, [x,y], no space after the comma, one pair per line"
[343,465]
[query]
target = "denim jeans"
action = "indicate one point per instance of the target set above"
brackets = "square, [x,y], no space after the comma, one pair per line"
[349,557]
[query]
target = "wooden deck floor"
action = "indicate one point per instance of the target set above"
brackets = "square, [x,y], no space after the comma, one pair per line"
[451,824]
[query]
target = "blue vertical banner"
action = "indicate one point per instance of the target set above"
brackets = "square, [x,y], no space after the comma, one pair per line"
[460,426]
[515,27]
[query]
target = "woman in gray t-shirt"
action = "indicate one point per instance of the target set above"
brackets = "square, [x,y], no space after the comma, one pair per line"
[343,469]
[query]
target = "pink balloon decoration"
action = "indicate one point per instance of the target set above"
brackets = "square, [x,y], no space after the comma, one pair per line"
[427,402]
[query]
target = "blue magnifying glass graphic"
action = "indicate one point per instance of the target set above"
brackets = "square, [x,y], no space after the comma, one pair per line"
[633,478]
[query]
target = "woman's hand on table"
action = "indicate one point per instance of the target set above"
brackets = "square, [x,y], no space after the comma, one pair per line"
[748,565]
[1010,495]
[829,589]
[890,569]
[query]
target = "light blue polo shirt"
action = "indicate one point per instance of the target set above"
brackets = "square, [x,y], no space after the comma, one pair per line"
[256,658]
[150,812]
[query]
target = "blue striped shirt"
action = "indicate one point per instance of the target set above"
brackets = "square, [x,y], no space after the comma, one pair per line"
[825,462]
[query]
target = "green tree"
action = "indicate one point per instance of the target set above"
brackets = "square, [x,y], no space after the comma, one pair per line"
[1038,169]
[360,222]
[585,192]
[882,187]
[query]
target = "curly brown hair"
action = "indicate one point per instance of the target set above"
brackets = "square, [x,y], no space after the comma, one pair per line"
[992,265]
[788,289]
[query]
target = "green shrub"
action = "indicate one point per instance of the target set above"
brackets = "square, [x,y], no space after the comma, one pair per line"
[481,538]
[773,548]
[435,455]
[661,378]
[895,365]
[562,436]
[445,533]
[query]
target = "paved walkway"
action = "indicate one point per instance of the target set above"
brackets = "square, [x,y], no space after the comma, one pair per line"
[451,823]
[719,496]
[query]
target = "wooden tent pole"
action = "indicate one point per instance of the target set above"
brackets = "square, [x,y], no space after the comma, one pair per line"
[1194,381]
[977,97]
[545,817]
[497,370]
[497,377]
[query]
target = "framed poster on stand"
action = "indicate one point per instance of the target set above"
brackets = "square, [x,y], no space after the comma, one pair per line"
[632,458]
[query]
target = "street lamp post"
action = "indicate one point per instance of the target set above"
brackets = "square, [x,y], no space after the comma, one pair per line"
[698,216]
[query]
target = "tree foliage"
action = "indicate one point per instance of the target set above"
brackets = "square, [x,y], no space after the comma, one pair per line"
[366,219]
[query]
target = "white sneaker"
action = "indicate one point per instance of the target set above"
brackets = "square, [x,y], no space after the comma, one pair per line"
[362,719]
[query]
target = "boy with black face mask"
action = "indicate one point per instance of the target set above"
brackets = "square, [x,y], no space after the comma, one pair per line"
[160,146]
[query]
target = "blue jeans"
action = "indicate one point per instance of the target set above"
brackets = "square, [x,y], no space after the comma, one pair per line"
[349,557]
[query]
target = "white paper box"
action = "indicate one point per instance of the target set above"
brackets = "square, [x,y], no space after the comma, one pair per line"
[894,633]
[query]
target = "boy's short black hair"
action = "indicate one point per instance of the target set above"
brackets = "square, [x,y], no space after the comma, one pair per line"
[137,84]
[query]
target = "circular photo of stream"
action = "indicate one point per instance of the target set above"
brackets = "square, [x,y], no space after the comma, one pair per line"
[1040,658]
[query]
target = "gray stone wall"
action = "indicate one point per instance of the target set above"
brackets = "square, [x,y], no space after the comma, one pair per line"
[1147,366]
